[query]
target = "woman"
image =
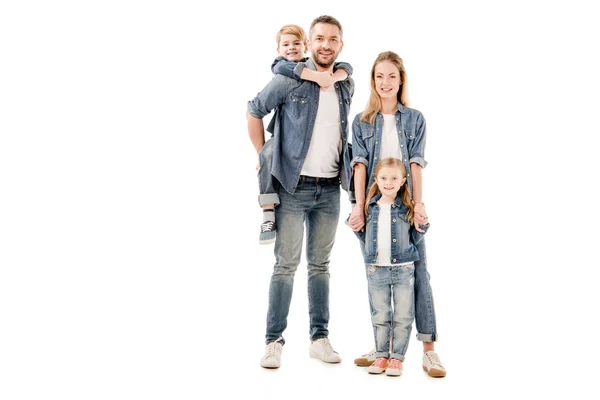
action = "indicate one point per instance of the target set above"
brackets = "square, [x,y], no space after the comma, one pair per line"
[388,128]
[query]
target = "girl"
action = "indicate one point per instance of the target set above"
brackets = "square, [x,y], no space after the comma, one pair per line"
[389,249]
[389,128]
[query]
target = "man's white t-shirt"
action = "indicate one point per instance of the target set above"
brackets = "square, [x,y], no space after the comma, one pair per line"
[323,156]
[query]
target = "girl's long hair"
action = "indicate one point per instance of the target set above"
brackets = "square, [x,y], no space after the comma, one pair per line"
[374,104]
[404,191]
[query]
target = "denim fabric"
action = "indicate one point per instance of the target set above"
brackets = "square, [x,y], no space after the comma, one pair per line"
[366,148]
[366,141]
[298,102]
[391,298]
[267,185]
[294,69]
[404,236]
[315,206]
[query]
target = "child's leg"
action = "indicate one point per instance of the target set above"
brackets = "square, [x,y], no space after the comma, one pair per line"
[403,292]
[268,197]
[380,301]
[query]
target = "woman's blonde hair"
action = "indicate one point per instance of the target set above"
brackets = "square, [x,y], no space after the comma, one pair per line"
[374,104]
[404,191]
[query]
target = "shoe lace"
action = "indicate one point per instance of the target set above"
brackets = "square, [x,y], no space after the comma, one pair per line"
[266,226]
[272,348]
[434,359]
[327,345]
[394,363]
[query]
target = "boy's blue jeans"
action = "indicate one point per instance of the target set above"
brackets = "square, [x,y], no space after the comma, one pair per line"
[316,206]
[267,185]
[391,298]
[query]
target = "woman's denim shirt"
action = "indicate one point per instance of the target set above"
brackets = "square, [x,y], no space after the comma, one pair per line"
[299,101]
[366,142]
[404,236]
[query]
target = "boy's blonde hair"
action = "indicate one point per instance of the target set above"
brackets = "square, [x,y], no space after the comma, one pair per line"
[291,29]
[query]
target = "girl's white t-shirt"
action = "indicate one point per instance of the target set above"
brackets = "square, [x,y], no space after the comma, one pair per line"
[384,236]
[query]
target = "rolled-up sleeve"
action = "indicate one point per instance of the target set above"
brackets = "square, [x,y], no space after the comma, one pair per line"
[345,66]
[416,147]
[269,98]
[359,149]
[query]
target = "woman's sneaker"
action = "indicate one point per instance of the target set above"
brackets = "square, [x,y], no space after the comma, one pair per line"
[366,359]
[380,364]
[432,365]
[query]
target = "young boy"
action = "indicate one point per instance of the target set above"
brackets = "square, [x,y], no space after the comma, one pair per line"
[291,46]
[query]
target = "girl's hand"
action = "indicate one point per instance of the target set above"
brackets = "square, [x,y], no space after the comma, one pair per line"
[357,218]
[420,217]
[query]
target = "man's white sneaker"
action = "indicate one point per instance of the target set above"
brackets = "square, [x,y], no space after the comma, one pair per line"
[272,357]
[366,359]
[432,365]
[321,349]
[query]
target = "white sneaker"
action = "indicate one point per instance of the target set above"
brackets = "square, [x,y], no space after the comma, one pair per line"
[432,365]
[321,349]
[272,357]
[366,359]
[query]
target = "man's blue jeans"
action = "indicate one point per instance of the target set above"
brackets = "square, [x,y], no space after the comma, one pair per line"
[316,206]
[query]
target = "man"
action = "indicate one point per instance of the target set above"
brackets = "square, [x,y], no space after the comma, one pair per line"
[310,159]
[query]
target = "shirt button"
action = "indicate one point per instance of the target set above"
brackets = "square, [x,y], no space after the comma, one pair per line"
[393,206]
[394,260]
[394,240]
[401,145]
[394,220]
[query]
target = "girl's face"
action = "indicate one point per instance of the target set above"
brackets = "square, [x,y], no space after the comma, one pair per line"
[390,180]
[387,80]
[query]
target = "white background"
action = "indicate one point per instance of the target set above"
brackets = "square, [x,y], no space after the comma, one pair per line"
[129,263]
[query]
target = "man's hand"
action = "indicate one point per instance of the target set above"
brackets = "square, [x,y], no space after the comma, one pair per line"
[357,218]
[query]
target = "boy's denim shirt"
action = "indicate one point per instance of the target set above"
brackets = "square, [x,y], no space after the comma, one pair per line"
[299,101]
[366,142]
[404,236]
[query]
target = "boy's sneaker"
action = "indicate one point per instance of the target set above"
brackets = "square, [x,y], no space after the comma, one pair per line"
[272,357]
[432,365]
[268,231]
[394,368]
[378,366]
[366,359]
[321,349]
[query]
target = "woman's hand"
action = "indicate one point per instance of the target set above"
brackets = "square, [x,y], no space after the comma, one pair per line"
[421,217]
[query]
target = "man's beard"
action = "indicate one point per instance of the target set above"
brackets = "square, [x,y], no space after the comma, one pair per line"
[323,64]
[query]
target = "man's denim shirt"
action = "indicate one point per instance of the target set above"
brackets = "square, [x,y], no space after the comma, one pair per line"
[366,142]
[299,101]
[404,236]
[293,69]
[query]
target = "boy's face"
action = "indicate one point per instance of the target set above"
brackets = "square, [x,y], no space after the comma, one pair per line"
[291,48]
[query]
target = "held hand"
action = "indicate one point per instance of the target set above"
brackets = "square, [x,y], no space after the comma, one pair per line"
[357,218]
[324,79]
[420,217]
